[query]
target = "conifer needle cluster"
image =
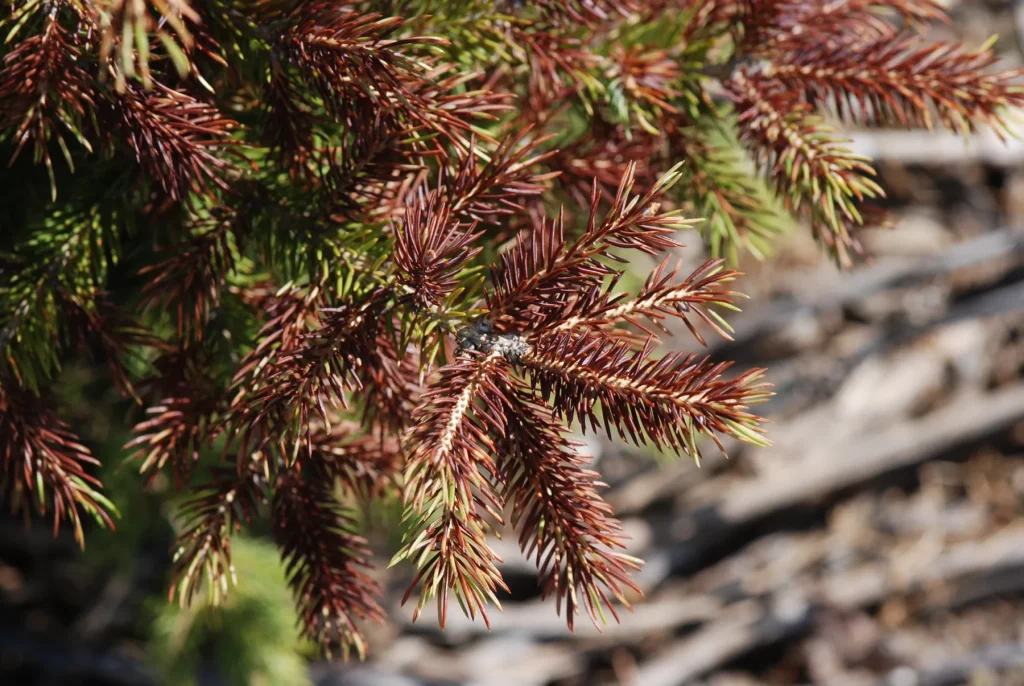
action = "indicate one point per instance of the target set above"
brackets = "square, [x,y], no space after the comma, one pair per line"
[329,253]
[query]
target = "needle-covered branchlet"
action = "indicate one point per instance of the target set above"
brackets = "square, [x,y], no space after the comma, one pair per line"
[47,95]
[798,61]
[173,434]
[447,488]
[45,466]
[544,354]
[563,523]
[364,465]
[325,560]
[215,511]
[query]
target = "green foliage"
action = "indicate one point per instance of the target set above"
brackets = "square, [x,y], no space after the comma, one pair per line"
[249,639]
[741,211]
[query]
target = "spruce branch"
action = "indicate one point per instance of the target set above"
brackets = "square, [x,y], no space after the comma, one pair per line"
[187,282]
[209,517]
[392,376]
[104,330]
[363,464]
[181,420]
[664,296]
[649,78]
[45,465]
[348,58]
[739,208]
[493,399]
[498,188]
[584,11]
[805,159]
[126,27]
[431,249]
[563,523]
[447,493]
[302,382]
[391,383]
[796,20]
[47,95]
[670,401]
[50,286]
[600,155]
[323,557]
[316,309]
[899,80]
[289,121]
[532,276]
[365,172]
[176,139]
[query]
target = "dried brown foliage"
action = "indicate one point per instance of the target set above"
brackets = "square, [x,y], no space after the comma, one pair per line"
[323,557]
[45,463]
[309,195]
[544,339]
[215,512]
[795,61]
[46,93]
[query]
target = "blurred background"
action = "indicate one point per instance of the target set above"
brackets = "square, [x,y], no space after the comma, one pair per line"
[879,541]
